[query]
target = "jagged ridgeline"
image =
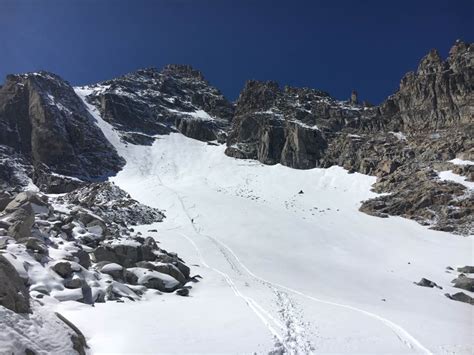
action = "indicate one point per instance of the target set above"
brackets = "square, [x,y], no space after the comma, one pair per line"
[48,136]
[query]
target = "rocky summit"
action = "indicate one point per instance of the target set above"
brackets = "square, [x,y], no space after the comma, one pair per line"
[149,102]
[67,233]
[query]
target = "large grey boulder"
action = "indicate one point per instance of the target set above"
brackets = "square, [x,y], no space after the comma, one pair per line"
[83,258]
[38,203]
[21,221]
[168,269]
[5,199]
[464,282]
[13,292]
[124,254]
[461,297]
[155,280]
[63,269]
[466,269]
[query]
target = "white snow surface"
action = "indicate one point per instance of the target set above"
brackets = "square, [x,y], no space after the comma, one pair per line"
[41,331]
[282,271]
[458,161]
[448,175]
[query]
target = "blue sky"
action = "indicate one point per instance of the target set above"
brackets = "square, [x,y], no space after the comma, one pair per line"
[334,45]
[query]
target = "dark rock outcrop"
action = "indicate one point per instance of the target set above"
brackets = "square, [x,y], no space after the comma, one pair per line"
[427,283]
[461,297]
[464,282]
[466,269]
[42,118]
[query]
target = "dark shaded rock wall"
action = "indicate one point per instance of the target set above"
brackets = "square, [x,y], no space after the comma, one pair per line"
[42,118]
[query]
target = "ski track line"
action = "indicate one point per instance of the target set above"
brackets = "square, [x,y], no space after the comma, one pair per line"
[400,332]
[289,347]
[203,262]
[254,306]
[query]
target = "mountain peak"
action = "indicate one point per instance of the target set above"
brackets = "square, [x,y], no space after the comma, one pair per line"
[182,70]
[430,63]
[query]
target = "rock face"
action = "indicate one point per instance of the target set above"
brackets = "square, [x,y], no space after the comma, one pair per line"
[438,95]
[286,126]
[42,118]
[151,102]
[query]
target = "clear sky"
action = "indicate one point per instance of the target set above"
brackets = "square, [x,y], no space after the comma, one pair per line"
[332,45]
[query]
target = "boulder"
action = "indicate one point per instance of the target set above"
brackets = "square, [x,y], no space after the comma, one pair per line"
[466,283]
[73,283]
[5,199]
[63,269]
[130,277]
[13,292]
[83,258]
[92,223]
[386,167]
[124,254]
[183,268]
[104,253]
[427,283]
[112,269]
[86,294]
[151,242]
[168,269]
[183,292]
[21,220]
[171,270]
[155,280]
[27,196]
[466,269]
[37,246]
[461,297]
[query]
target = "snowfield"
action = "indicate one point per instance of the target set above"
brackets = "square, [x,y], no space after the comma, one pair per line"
[283,271]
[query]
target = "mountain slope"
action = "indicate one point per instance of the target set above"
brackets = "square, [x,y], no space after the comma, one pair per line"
[235,219]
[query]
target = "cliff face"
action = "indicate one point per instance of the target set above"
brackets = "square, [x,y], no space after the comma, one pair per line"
[286,126]
[42,118]
[295,126]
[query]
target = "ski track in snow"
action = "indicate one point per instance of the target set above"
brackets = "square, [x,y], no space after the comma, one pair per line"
[291,334]
[293,340]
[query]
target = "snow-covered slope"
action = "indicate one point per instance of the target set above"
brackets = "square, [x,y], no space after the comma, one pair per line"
[283,270]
